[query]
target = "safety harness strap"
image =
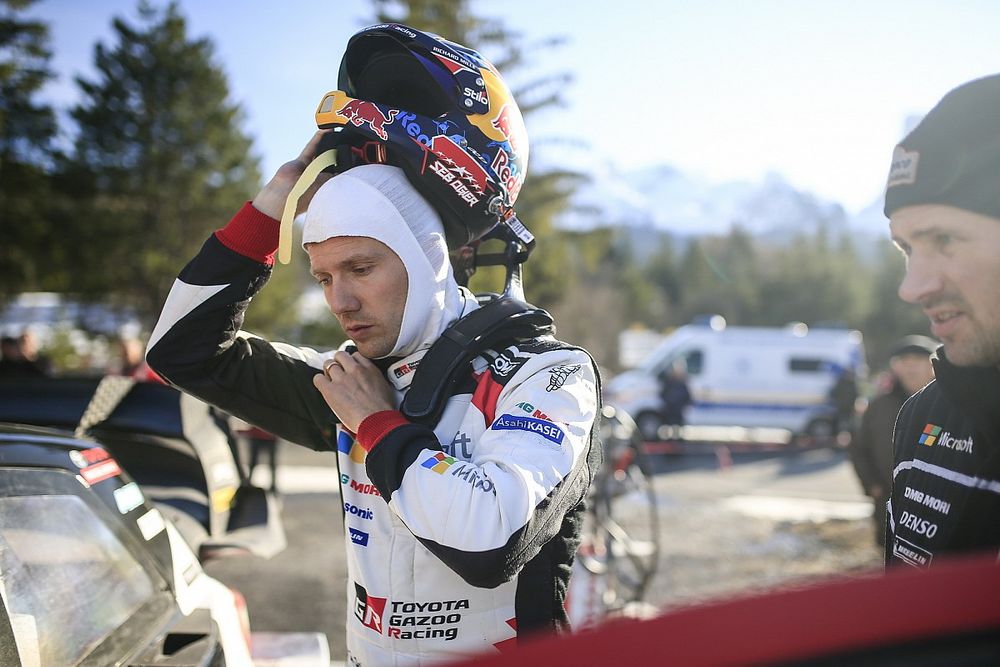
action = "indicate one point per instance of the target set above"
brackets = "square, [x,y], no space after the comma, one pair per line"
[500,320]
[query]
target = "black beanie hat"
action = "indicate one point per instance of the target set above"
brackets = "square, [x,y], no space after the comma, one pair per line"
[921,345]
[953,156]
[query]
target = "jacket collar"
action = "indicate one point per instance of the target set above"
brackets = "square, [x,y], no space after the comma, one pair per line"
[973,390]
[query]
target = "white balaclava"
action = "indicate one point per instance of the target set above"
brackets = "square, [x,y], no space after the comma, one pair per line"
[377,201]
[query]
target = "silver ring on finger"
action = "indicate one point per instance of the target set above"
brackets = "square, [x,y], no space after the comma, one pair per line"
[330,363]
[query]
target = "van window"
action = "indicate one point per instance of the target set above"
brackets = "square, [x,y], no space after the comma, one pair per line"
[806,365]
[695,361]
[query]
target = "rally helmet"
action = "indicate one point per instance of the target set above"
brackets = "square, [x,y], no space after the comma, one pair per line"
[442,113]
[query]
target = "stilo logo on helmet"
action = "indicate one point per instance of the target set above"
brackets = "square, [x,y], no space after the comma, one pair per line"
[439,111]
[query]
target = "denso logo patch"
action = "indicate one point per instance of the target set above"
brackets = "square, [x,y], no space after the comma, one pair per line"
[546,429]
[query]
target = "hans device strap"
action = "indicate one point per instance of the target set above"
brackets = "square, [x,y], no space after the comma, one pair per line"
[503,319]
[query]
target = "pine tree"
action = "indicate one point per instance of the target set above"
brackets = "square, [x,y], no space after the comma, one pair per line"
[160,158]
[27,128]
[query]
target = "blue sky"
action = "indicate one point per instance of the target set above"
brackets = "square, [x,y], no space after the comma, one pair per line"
[816,90]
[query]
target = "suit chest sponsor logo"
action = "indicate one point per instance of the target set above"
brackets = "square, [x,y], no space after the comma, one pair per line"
[368,609]
[910,553]
[934,435]
[443,464]
[533,411]
[347,445]
[546,429]
[927,500]
[358,537]
[366,489]
[409,620]
[405,368]
[459,446]
[363,488]
[426,620]
[918,525]
[360,512]
[507,363]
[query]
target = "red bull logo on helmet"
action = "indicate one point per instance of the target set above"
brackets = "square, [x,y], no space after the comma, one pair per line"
[360,112]
[502,123]
[507,174]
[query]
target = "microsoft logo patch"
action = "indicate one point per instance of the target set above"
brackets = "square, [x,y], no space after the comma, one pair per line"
[439,463]
[930,435]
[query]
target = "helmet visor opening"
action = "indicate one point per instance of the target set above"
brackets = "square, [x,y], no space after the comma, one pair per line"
[390,75]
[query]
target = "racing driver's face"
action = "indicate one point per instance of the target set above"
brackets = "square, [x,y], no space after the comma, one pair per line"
[953,273]
[365,286]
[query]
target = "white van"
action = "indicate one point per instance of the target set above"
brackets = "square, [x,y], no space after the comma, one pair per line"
[752,377]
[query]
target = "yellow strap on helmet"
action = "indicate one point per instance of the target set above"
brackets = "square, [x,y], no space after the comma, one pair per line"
[308,177]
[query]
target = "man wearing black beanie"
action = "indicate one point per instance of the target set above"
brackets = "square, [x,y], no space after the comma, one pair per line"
[943,202]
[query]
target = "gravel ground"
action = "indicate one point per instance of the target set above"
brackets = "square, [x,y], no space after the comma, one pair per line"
[725,553]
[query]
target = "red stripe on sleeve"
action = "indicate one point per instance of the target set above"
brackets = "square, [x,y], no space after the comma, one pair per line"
[486,395]
[251,234]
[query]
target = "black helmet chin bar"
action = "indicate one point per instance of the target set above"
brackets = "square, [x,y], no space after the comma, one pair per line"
[518,244]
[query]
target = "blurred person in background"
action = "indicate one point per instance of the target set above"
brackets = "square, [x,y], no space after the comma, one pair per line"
[132,361]
[676,397]
[20,358]
[871,447]
[844,397]
[943,203]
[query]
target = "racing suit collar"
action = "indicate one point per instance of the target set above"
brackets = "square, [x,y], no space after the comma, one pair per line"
[399,372]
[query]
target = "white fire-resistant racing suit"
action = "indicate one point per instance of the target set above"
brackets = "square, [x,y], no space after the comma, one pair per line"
[459,539]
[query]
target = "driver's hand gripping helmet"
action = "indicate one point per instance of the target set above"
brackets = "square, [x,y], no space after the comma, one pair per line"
[439,111]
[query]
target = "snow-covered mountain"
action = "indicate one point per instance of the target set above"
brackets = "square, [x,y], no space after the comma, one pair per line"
[670,201]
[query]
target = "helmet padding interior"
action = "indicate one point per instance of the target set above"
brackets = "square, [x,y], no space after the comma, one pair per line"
[383,71]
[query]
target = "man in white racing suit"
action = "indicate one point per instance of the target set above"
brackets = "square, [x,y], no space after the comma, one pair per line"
[460,534]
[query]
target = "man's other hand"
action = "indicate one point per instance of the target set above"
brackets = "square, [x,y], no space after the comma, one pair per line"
[271,199]
[354,388]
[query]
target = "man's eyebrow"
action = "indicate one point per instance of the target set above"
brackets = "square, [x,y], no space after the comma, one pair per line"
[928,229]
[351,260]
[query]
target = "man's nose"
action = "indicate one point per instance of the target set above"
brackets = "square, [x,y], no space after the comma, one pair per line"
[922,280]
[341,300]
